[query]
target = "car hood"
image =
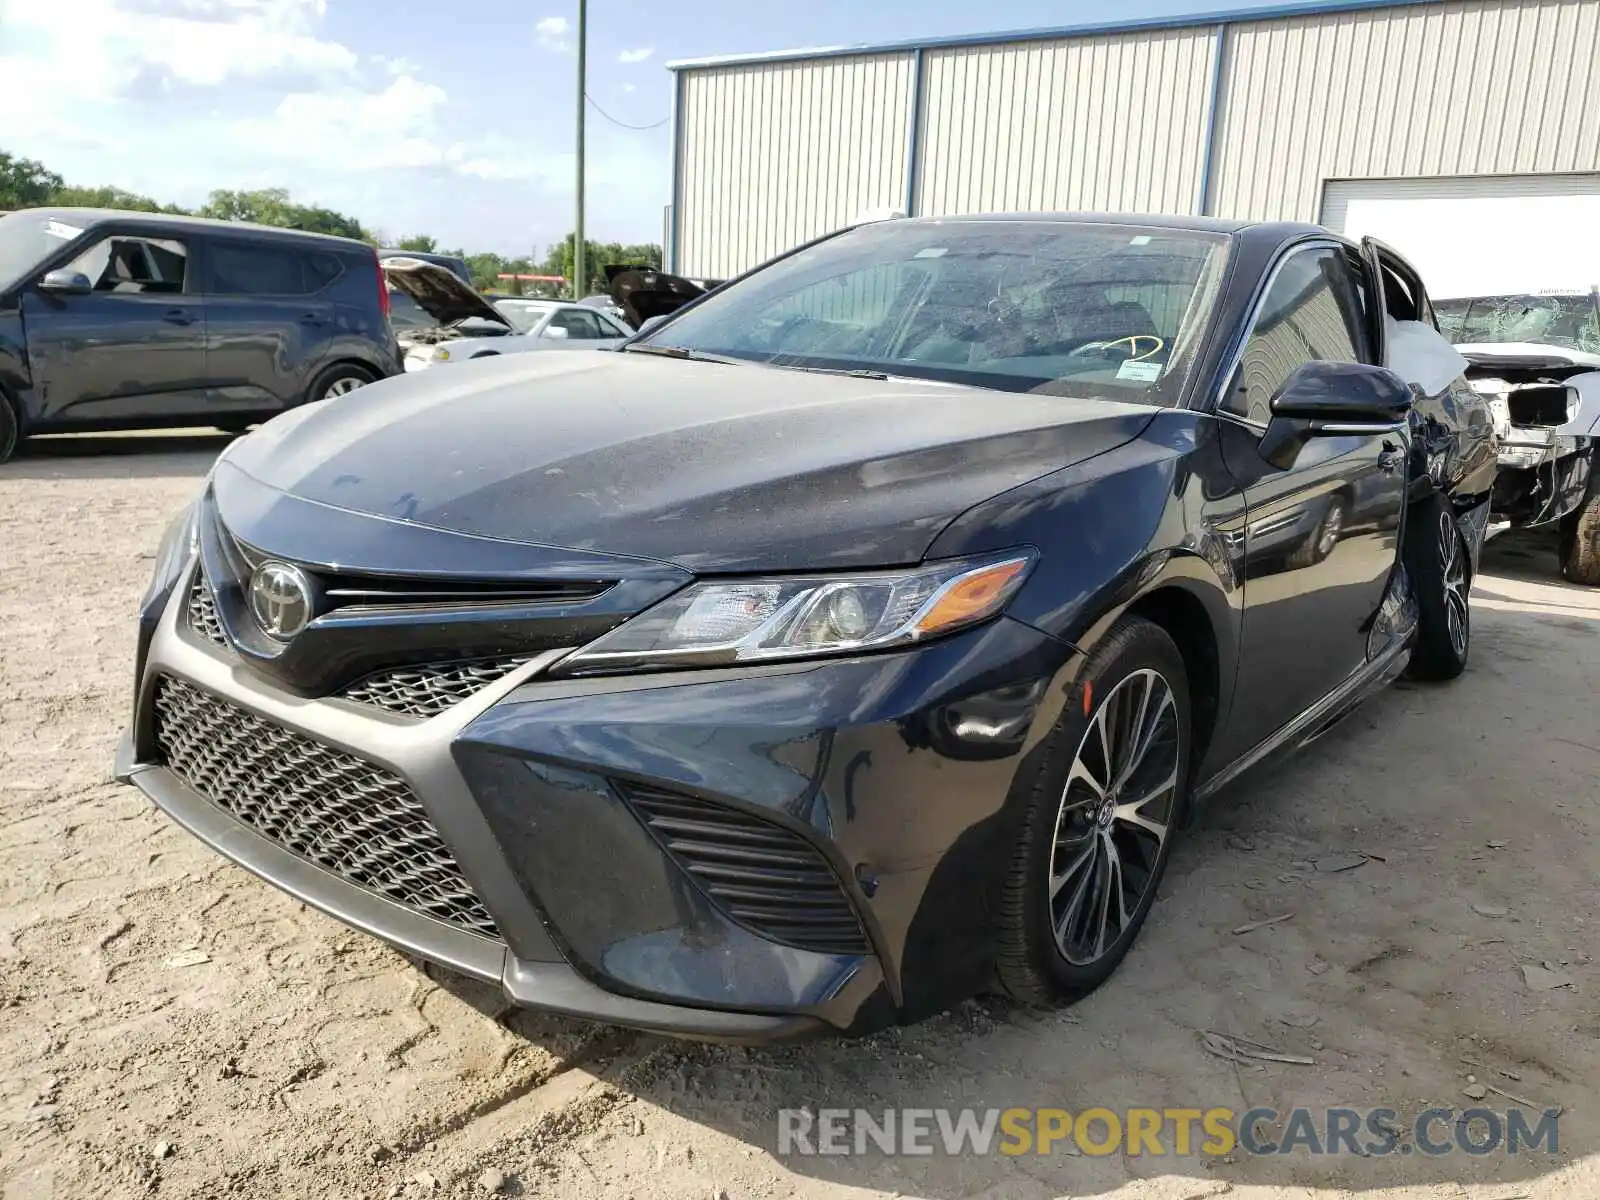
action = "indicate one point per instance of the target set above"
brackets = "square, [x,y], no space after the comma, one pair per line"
[1488,353]
[439,291]
[644,292]
[711,467]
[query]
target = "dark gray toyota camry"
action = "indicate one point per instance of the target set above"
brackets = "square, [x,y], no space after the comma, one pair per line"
[857,639]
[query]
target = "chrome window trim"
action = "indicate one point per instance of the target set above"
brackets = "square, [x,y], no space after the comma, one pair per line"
[1236,355]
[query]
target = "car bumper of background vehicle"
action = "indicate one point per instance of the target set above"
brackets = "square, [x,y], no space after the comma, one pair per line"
[883,775]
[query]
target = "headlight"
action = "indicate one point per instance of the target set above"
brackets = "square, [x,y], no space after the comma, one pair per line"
[178,544]
[755,620]
[441,355]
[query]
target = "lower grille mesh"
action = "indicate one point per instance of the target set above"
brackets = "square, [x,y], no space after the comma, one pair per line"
[333,809]
[426,691]
[761,875]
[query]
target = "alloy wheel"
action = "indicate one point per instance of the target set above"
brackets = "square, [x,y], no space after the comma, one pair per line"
[1453,558]
[1116,812]
[343,386]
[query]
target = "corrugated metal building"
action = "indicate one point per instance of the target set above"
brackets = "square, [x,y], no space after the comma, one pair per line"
[1433,123]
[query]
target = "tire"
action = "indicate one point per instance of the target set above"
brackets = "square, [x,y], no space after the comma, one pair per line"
[1324,537]
[1580,542]
[1441,571]
[338,380]
[10,429]
[1053,927]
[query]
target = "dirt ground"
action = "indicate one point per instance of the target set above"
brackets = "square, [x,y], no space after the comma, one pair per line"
[171,1026]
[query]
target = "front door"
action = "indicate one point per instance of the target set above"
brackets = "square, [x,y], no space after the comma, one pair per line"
[133,349]
[1321,536]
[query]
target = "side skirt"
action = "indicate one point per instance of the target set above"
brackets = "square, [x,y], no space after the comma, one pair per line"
[1319,718]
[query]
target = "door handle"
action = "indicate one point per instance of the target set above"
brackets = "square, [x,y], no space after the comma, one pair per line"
[312,318]
[178,316]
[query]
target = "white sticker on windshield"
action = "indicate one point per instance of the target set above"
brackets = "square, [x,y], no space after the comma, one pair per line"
[1141,372]
[932,252]
[62,230]
[1142,240]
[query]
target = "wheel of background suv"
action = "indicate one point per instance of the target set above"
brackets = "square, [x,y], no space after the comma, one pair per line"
[1436,557]
[338,380]
[1098,826]
[10,433]
[1580,541]
[1325,537]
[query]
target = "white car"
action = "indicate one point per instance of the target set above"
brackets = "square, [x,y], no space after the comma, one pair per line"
[469,325]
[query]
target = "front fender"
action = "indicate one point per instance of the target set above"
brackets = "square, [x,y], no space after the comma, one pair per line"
[1157,515]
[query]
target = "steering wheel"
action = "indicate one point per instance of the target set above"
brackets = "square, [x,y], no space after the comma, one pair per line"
[1132,341]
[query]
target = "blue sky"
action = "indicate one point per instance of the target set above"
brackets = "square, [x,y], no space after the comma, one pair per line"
[405,113]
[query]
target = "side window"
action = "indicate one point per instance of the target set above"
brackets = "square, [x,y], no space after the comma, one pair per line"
[612,328]
[321,270]
[1311,313]
[244,269]
[578,323]
[136,266]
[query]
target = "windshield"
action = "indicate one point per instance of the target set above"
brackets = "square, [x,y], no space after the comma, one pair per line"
[1081,308]
[27,239]
[523,314]
[1571,322]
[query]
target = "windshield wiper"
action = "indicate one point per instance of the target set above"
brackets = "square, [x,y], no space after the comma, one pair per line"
[852,374]
[676,352]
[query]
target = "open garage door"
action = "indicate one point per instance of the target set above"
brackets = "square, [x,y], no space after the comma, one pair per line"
[1482,234]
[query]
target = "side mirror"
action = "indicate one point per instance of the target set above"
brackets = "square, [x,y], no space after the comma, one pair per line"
[650,323]
[555,331]
[1333,399]
[64,282]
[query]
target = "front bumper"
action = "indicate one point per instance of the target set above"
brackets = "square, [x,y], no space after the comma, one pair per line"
[891,773]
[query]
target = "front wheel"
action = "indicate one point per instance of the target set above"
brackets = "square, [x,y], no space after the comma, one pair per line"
[10,430]
[1098,826]
[1580,542]
[1436,557]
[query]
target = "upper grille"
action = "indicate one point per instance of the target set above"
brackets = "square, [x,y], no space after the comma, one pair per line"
[426,691]
[761,875]
[202,611]
[340,812]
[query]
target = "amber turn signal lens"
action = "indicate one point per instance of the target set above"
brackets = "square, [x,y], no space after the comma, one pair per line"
[972,597]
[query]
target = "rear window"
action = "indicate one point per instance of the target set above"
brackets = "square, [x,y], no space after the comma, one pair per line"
[249,269]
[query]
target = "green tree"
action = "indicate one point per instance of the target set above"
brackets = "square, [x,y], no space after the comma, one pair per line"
[597,257]
[111,197]
[418,241]
[25,183]
[272,206]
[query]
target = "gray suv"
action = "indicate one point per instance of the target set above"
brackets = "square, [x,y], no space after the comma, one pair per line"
[121,320]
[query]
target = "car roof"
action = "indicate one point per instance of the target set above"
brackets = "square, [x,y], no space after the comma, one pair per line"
[90,217]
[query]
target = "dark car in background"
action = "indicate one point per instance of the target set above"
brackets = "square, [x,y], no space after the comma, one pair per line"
[124,320]
[858,638]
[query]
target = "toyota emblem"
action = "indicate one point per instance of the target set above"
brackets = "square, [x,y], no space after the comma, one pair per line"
[281,599]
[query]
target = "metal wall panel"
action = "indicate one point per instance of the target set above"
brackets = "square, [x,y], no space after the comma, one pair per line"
[775,154]
[1111,123]
[1474,88]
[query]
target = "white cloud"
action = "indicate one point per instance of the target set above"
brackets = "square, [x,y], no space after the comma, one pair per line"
[552,33]
[348,129]
[636,56]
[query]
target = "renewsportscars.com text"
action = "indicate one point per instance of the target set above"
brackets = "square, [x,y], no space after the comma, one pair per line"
[1157,1132]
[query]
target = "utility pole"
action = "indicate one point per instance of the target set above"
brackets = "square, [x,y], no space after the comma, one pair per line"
[580,279]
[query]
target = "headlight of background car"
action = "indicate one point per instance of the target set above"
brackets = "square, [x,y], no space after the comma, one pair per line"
[756,620]
[178,544]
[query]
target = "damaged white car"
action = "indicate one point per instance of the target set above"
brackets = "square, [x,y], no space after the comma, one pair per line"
[1536,358]
[461,324]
